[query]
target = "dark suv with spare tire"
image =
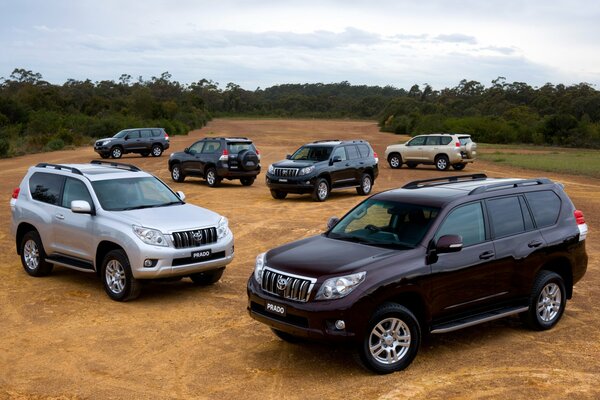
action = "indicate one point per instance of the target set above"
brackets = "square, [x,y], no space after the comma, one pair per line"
[144,141]
[434,256]
[215,159]
[324,165]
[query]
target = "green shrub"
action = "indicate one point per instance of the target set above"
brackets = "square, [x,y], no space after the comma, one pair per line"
[4,147]
[55,144]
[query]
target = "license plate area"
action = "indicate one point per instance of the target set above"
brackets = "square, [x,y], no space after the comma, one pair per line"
[274,308]
[201,255]
[283,180]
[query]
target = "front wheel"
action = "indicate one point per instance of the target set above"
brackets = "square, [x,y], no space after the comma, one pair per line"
[116,152]
[395,160]
[321,191]
[211,177]
[118,281]
[33,255]
[366,184]
[176,173]
[247,181]
[546,302]
[157,150]
[442,163]
[392,339]
[278,194]
[207,277]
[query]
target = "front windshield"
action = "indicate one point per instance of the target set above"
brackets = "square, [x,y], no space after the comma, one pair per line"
[120,135]
[134,193]
[312,153]
[385,223]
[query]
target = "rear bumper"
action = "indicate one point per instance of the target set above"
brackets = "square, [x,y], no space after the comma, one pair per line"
[227,173]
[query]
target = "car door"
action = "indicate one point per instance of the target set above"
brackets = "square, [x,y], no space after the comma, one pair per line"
[464,280]
[413,150]
[190,162]
[357,165]
[431,148]
[208,155]
[132,141]
[45,190]
[340,168]
[146,139]
[74,233]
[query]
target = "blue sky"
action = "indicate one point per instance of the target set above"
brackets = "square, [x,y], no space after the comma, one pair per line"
[262,43]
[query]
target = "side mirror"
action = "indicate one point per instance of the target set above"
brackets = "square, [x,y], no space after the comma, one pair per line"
[186,150]
[180,195]
[81,207]
[449,244]
[336,159]
[288,156]
[332,222]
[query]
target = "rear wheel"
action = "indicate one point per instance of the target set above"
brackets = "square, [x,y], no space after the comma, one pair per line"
[278,194]
[33,255]
[145,153]
[366,184]
[411,165]
[176,174]
[116,152]
[157,150]
[118,281]
[546,302]
[392,339]
[459,167]
[207,277]
[442,163]
[395,160]
[321,190]
[211,177]
[247,181]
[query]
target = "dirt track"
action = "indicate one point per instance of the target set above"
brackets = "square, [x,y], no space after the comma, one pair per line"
[61,336]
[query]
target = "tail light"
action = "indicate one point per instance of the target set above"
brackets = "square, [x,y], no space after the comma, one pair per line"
[376,157]
[457,144]
[224,155]
[166,136]
[258,153]
[578,217]
[15,194]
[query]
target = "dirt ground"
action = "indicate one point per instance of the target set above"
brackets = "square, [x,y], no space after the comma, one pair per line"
[61,337]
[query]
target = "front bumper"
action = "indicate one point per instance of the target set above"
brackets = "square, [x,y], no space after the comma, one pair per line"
[296,184]
[313,320]
[171,262]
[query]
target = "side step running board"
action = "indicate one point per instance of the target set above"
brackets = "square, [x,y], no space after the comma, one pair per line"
[68,262]
[477,319]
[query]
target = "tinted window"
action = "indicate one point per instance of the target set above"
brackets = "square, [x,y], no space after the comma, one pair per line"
[506,216]
[46,187]
[133,135]
[75,190]
[418,141]
[146,133]
[464,140]
[433,141]
[156,132]
[445,140]
[545,207]
[235,148]
[339,152]
[352,152]
[466,221]
[196,147]
[364,150]
[211,147]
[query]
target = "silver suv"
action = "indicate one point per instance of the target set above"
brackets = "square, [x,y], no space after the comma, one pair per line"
[116,221]
[440,149]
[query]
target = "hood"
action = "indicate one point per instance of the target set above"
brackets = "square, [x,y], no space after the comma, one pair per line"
[103,139]
[294,163]
[173,218]
[319,255]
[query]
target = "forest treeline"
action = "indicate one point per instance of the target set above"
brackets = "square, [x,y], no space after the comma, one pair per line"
[36,115]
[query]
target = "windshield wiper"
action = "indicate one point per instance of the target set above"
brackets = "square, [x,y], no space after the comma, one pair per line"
[151,206]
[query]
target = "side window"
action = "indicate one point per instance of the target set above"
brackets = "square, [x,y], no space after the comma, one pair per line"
[364,150]
[146,133]
[352,152]
[418,141]
[445,140]
[341,152]
[506,216]
[46,187]
[75,190]
[466,221]
[196,148]
[211,147]
[526,214]
[545,206]
[433,141]
[133,135]
[156,132]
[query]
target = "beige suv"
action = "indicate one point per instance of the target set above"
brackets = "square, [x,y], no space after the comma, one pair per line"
[439,149]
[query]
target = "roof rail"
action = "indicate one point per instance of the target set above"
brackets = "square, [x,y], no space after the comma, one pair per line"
[443,181]
[116,165]
[327,140]
[58,166]
[508,185]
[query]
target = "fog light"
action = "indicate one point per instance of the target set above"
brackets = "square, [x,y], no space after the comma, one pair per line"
[340,324]
[149,263]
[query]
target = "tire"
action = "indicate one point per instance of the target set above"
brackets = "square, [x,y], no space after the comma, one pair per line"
[207,277]
[117,279]
[33,255]
[547,301]
[116,152]
[366,184]
[286,337]
[321,190]
[157,150]
[395,160]
[442,163]
[278,195]
[392,339]
[411,165]
[105,155]
[459,167]
[145,153]
[176,174]
[211,177]
[247,181]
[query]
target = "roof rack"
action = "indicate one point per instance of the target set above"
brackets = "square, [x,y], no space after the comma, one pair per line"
[327,140]
[226,138]
[443,181]
[509,185]
[58,166]
[116,165]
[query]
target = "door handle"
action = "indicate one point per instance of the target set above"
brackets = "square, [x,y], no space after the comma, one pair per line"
[534,243]
[486,255]
[59,216]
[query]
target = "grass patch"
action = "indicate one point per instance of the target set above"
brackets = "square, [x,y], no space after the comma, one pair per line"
[569,161]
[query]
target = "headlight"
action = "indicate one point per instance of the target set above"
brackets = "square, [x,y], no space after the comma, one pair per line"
[341,286]
[105,142]
[306,170]
[259,266]
[150,236]
[222,228]
[271,169]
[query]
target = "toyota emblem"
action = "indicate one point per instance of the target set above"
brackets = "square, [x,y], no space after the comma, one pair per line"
[282,283]
[197,236]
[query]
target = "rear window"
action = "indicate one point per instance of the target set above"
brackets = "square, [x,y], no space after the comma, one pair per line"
[545,207]
[156,132]
[146,133]
[464,140]
[235,148]
[506,216]
[352,152]
[46,187]
[364,150]
[446,140]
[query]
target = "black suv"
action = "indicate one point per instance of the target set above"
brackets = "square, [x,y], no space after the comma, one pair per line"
[432,257]
[218,158]
[144,141]
[321,166]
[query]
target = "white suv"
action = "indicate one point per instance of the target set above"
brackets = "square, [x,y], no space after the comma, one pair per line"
[117,221]
[440,149]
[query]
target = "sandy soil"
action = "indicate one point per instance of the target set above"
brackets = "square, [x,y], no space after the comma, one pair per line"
[61,337]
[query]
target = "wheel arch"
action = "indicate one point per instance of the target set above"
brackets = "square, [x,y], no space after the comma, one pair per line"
[207,167]
[103,248]
[395,152]
[23,228]
[562,266]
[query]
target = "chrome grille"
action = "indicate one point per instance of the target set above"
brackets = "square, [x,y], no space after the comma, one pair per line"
[284,172]
[286,286]
[194,238]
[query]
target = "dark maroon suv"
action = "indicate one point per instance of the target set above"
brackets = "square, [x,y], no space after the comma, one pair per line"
[432,257]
